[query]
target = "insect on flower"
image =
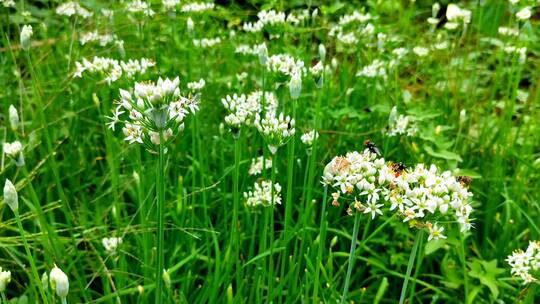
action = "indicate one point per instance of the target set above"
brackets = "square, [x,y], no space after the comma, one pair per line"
[372,147]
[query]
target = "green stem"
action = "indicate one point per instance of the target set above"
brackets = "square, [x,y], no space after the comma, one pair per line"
[160,188]
[4,299]
[351,256]
[271,208]
[410,266]
[464,268]
[30,258]
[236,202]
[322,237]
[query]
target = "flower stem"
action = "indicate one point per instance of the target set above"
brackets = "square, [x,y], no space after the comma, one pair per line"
[30,258]
[160,188]
[322,238]
[351,256]
[410,266]
[4,299]
[271,208]
[236,207]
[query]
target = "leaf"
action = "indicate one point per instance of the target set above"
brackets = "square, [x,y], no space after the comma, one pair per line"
[486,272]
[467,172]
[443,154]
[433,246]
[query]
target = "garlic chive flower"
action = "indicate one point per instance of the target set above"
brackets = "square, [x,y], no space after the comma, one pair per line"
[196,85]
[197,7]
[317,71]
[256,167]
[308,137]
[110,70]
[150,108]
[524,14]
[11,198]
[26,35]
[262,194]
[525,264]
[59,282]
[73,8]
[14,151]
[422,196]
[243,109]
[275,129]
[401,124]
[140,8]
[283,66]
[5,278]
[111,244]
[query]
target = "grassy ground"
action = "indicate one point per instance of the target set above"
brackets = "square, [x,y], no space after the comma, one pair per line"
[472,104]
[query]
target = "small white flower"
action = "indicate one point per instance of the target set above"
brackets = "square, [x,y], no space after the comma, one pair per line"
[435,232]
[373,208]
[12,149]
[111,244]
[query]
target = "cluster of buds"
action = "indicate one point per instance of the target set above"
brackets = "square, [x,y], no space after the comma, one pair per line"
[111,69]
[526,264]
[59,282]
[111,244]
[73,9]
[263,195]
[243,109]
[258,164]
[421,196]
[284,66]
[196,7]
[155,112]
[275,129]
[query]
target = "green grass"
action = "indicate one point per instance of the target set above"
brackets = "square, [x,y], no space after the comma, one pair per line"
[81,182]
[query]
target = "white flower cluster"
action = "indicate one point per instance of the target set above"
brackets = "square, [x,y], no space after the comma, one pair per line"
[8,3]
[456,16]
[140,7]
[196,85]
[197,7]
[524,14]
[377,68]
[284,65]
[508,31]
[346,32]
[111,244]
[170,4]
[522,262]
[401,124]
[112,69]
[253,27]
[257,165]
[420,196]
[271,17]
[5,278]
[243,109]
[206,42]
[246,49]
[262,194]
[355,16]
[94,36]
[521,52]
[12,149]
[152,108]
[308,137]
[73,8]
[275,129]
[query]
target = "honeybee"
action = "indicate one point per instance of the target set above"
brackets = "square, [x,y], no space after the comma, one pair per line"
[372,147]
[464,180]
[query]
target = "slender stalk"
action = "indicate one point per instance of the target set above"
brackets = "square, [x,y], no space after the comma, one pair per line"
[410,266]
[236,206]
[30,259]
[4,298]
[351,256]
[322,237]
[271,208]
[464,268]
[160,188]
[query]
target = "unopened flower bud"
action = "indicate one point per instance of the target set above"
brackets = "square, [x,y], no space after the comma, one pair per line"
[190,26]
[322,52]
[295,86]
[263,53]
[166,278]
[26,35]
[5,278]
[59,282]
[14,121]
[10,196]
